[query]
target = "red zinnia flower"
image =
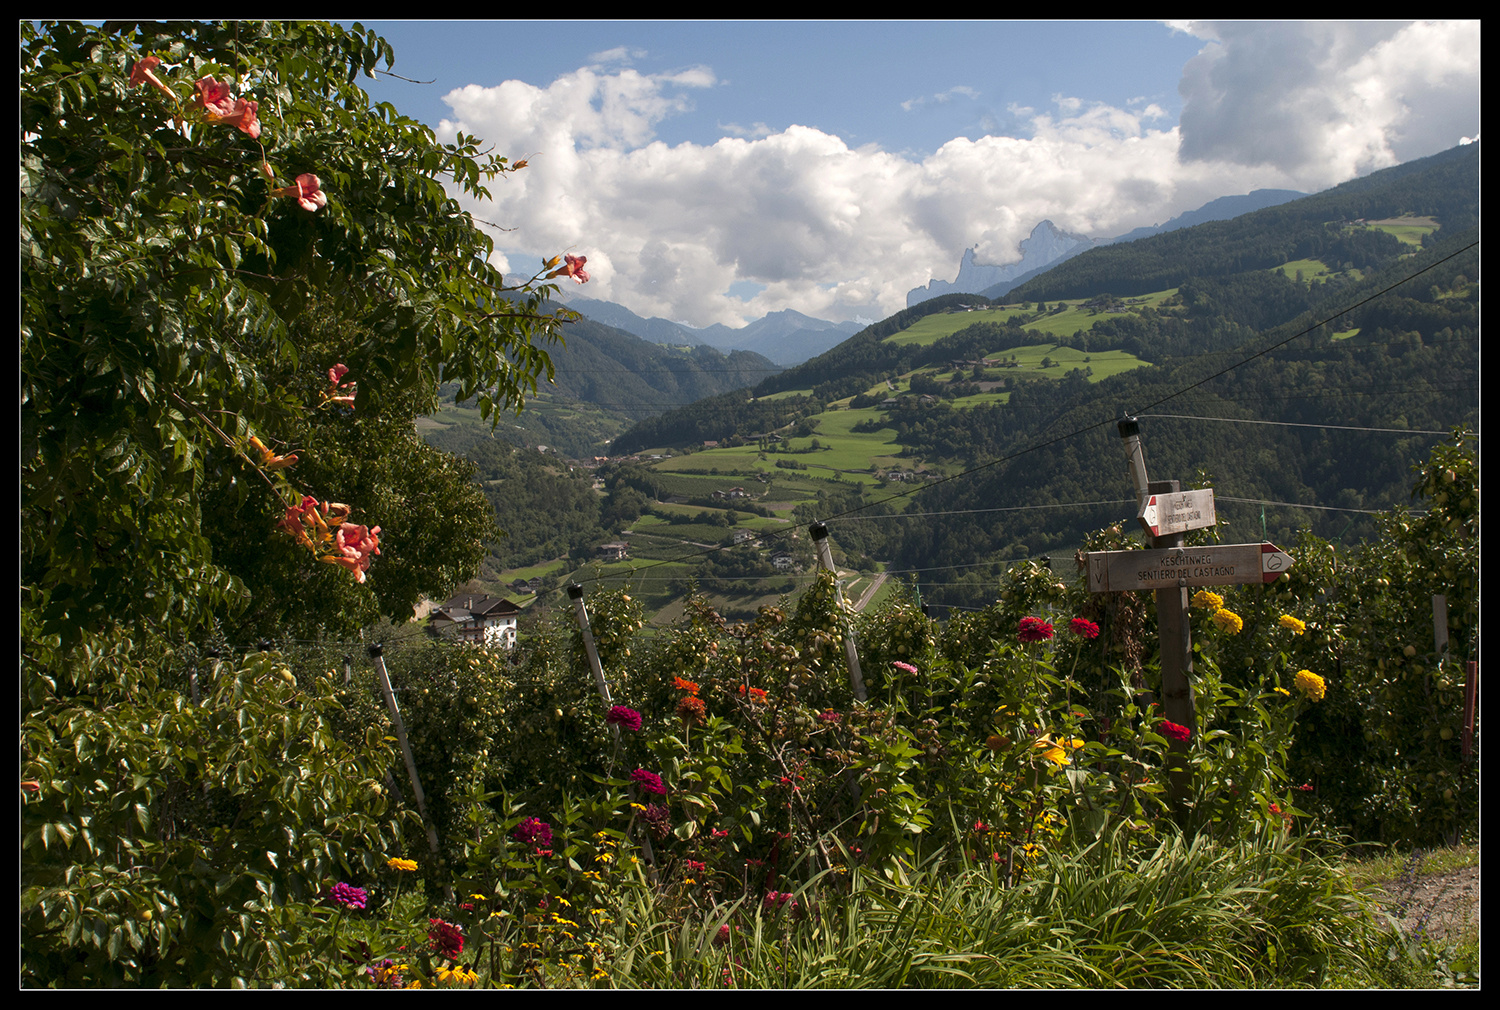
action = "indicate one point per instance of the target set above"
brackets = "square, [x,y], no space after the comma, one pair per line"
[692,710]
[447,938]
[1083,628]
[1172,731]
[1034,629]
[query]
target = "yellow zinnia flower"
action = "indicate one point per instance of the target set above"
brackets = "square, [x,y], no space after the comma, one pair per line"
[1293,625]
[1311,685]
[397,863]
[1205,600]
[1228,620]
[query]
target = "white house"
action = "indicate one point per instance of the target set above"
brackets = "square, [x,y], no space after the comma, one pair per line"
[481,620]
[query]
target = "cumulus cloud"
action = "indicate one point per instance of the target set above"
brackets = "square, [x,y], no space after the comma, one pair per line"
[838,231]
[1324,101]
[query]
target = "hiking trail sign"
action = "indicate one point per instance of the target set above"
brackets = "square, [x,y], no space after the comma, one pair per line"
[1165,514]
[1171,567]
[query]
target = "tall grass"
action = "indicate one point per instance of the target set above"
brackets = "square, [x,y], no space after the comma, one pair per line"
[1180,913]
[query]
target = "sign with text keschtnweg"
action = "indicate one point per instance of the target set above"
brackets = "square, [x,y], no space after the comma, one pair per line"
[1168,568]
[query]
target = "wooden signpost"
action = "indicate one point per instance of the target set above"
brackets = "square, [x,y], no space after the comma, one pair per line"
[1170,569]
[1215,565]
[1177,513]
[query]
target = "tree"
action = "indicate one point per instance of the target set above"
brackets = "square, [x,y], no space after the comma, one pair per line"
[175,241]
[239,284]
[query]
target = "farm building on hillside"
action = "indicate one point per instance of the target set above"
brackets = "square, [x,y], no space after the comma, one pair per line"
[481,620]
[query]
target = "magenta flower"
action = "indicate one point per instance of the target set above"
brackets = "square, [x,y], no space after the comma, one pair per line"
[1172,731]
[1034,629]
[447,938]
[1083,628]
[534,832]
[649,782]
[625,718]
[349,897]
[904,666]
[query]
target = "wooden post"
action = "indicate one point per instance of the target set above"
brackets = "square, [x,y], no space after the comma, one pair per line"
[1471,699]
[1173,628]
[377,656]
[575,593]
[825,560]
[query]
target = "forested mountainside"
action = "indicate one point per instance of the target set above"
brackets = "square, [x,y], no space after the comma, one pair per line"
[609,367]
[1443,187]
[1389,262]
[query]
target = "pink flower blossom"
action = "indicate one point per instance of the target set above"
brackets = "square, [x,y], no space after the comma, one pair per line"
[1083,628]
[1034,629]
[572,267]
[221,107]
[447,938]
[533,831]
[298,518]
[355,547]
[904,666]
[348,896]
[308,195]
[141,74]
[214,97]
[245,116]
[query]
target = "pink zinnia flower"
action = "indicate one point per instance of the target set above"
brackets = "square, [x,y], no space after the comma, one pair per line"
[1034,629]
[533,831]
[649,782]
[349,897]
[904,666]
[1172,731]
[627,718]
[1083,628]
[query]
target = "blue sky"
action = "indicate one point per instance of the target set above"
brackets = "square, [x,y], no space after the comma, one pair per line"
[716,171]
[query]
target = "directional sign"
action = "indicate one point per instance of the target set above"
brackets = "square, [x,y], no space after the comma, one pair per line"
[1163,514]
[1219,565]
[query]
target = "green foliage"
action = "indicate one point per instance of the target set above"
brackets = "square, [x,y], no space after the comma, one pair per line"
[182,844]
[166,291]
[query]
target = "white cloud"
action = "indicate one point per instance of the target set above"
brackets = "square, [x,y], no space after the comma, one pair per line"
[836,231]
[1324,101]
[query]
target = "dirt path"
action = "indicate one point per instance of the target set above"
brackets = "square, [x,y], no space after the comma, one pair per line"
[1445,904]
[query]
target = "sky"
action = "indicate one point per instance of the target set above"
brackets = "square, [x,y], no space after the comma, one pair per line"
[713,172]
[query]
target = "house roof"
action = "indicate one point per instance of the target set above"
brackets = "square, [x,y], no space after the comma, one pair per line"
[468,606]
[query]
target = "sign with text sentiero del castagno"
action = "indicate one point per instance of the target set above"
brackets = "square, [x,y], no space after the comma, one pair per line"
[1168,568]
[1164,514]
